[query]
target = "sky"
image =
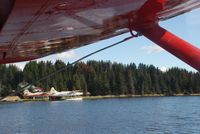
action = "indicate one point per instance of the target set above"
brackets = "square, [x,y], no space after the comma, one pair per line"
[139,50]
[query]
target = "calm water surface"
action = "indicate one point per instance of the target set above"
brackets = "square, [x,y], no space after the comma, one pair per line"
[149,115]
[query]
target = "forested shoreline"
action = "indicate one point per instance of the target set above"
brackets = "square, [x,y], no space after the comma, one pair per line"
[101,78]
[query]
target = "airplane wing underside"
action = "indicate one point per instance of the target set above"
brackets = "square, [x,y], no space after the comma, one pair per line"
[37,28]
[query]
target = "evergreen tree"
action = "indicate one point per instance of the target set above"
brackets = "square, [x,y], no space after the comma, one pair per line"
[101,78]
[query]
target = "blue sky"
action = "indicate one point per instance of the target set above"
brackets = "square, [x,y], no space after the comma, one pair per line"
[140,50]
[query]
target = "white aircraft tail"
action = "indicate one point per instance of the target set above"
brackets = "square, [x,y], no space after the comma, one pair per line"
[53,91]
[27,92]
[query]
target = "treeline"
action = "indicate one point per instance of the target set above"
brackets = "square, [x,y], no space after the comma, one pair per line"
[101,78]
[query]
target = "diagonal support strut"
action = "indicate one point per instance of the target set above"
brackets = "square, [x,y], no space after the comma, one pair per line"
[173,44]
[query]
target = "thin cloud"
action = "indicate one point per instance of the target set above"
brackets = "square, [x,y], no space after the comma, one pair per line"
[62,56]
[66,55]
[20,65]
[163,69]
[153,49]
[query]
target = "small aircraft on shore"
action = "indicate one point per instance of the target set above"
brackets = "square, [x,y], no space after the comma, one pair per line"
[53,92]
[31,29]
[27,94]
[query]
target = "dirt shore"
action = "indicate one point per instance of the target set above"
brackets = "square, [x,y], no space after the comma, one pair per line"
[10,99]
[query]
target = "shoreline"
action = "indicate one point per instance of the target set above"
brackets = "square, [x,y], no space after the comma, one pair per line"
[134,96]
[10,98]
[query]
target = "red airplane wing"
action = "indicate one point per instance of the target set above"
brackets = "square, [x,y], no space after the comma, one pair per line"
[37,28]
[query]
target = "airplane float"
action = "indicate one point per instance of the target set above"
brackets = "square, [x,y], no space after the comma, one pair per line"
[31,29]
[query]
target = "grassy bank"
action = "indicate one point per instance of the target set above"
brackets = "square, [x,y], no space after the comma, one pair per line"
[132,96]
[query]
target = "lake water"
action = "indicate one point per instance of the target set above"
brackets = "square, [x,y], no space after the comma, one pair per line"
[142,115]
